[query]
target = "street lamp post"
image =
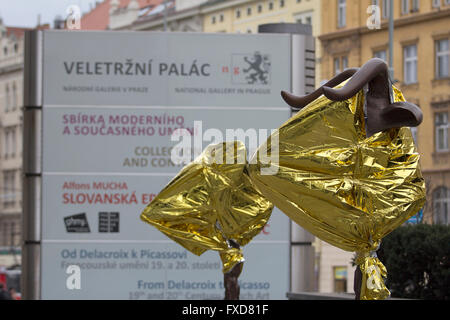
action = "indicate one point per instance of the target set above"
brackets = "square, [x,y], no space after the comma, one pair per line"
[391,39]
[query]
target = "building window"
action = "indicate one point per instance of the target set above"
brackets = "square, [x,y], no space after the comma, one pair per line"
[447,2]
[249,11]
[16,47]
[436,3]
[260,8]
[13,142]
[270,5]
[221,17]
[441,131]
[441,200]
[337,66]
[9,142]
[7,98]
[340,279]
[9,185]
[410,64]
[5,51]
[381,54]
[342,8]
[304,18]
[14,96]
[442,58]
[414,134]
[415,6]
[405,6]
[281,3]
[213,19]
[385,9]
[344,63]
[340,64]
[6,143]
[238,14]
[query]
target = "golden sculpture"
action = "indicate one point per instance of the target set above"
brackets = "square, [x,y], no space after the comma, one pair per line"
[348,172]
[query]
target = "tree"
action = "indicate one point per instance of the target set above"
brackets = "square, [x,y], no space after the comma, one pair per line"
[417,260]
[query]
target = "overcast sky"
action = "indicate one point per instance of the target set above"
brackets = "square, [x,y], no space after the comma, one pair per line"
[24,13]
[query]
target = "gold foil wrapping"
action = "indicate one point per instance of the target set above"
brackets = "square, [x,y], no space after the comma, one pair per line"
[373,273]
[210,202]
[345,188]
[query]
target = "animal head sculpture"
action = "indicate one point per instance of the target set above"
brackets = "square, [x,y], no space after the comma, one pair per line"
[381,111]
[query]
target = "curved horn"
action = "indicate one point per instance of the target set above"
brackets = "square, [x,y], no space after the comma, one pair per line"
[371,69]
[381,112]
[300,102]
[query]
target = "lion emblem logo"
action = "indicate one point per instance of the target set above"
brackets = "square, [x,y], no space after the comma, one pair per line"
[251,68]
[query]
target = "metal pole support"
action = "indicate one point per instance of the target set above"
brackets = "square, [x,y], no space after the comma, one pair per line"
[32,166]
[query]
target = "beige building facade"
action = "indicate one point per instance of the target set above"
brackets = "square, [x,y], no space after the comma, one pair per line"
[335,269]
[11,126]
[421,71]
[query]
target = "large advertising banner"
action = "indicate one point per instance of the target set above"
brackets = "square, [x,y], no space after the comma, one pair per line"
[111,104]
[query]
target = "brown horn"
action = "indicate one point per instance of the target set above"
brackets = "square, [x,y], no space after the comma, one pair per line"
[300,102]
[371,69]
[381,112]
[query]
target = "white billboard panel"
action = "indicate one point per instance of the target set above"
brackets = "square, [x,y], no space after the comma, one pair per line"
[111,101]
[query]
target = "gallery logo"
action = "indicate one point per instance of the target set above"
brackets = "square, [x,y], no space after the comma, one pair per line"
[251,68]
[108,222]
[77,223]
